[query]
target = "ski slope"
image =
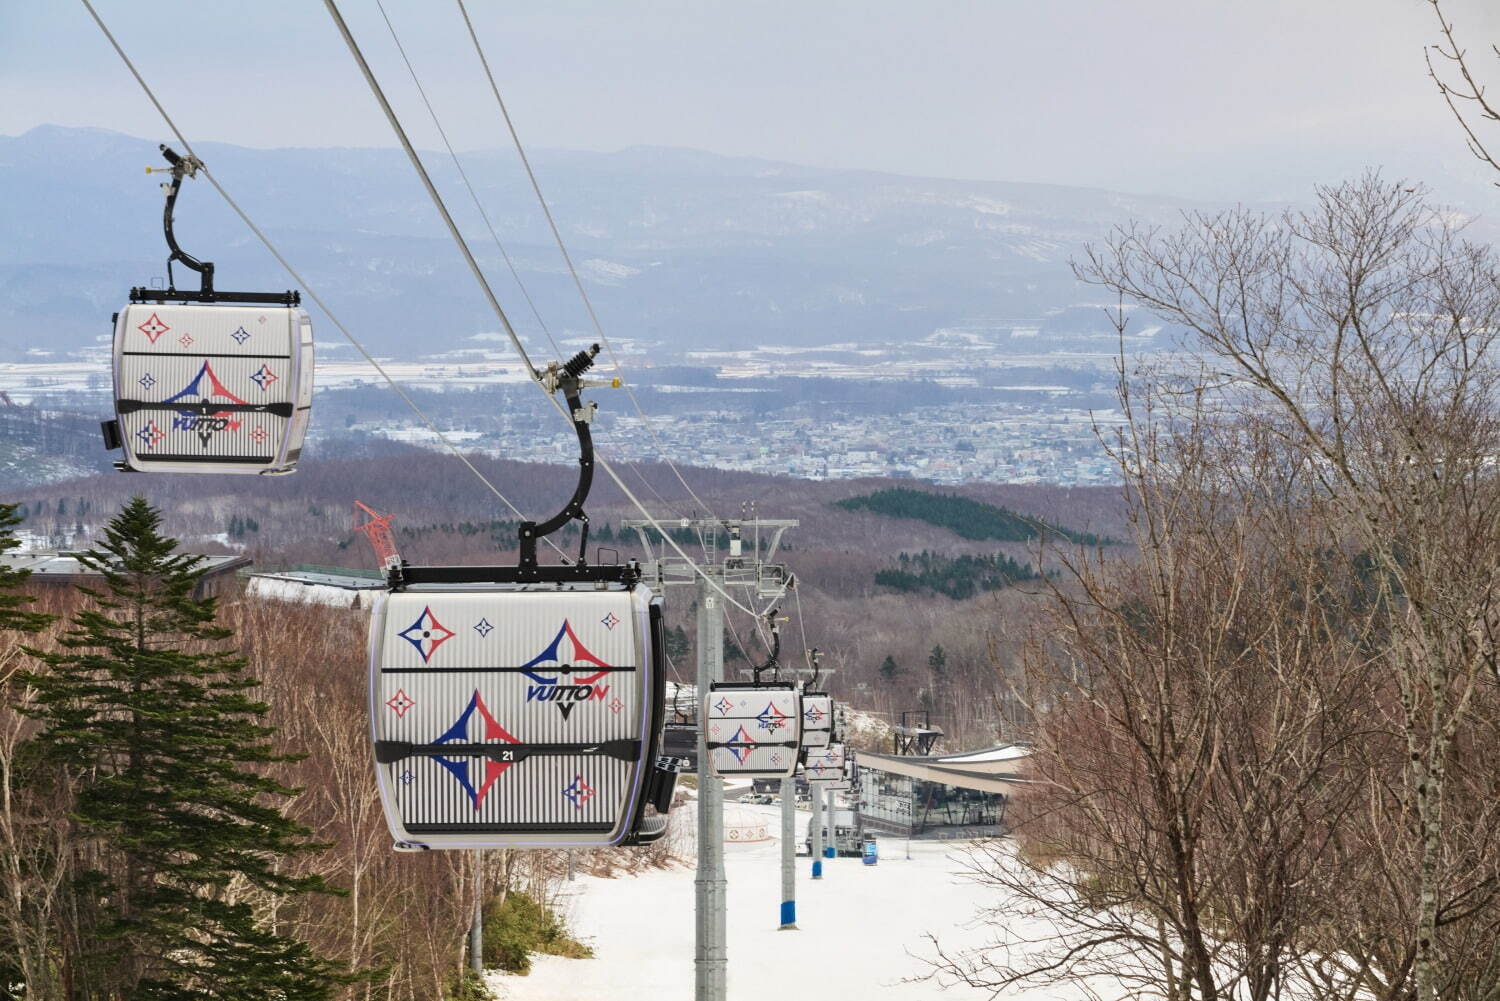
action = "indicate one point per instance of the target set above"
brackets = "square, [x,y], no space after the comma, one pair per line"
[860,929]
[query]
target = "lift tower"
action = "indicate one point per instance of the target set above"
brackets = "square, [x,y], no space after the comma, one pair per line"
[758,573]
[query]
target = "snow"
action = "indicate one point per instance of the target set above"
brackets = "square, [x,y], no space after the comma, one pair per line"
[1010,752]
[861,928]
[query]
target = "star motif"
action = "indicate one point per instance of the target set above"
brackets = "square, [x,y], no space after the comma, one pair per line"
[151,435]
[261,318]
[147,381]
[578,792]
[610,621]
[153,328]
[771,718]
[259,434]
[241,335]
[264,377]
[813,714]
[483,627]
[426,634]
[741,744]
[616,705]
[400,703]
[406,777]
[723,705]
[185,339]
[776,757]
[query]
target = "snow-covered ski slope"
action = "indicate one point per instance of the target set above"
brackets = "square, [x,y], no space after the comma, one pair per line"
[861,929]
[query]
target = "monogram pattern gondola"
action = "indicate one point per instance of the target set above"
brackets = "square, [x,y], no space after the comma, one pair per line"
[212,388]
[753,729]
[825,764]
[817,719]
[510,671]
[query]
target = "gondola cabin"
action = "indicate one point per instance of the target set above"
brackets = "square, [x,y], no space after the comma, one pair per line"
[825,764]
[840,722]
[211,388]
[753,729]
[817,719]
[522,717]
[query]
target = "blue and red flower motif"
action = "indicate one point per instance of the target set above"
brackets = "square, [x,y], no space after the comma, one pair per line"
[426,634]
[459,733]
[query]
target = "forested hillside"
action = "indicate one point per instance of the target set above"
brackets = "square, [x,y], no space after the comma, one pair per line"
[873,585]
[967,518]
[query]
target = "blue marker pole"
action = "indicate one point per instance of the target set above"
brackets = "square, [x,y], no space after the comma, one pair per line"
[816,795]
[831,848]
[788,854]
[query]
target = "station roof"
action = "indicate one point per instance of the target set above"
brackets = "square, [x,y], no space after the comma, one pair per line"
[994,769]
[339,577]
[63,564]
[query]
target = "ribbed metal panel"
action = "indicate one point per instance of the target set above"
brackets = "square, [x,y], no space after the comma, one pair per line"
[825,764]
[745,717]
[195,355]
[511,667]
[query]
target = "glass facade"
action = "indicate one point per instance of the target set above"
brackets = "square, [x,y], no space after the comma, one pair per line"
[896,804]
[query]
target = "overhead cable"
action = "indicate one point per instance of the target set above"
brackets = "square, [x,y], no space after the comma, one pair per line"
[483,214]
[588,303]
[296,275]
[489,293]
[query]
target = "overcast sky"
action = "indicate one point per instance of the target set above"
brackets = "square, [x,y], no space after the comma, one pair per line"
[1203,98]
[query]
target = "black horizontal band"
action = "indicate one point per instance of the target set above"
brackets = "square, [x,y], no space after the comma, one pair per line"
[124,407]
[200,354]
[245,460]
[388,752]
[472,828]
[500,670]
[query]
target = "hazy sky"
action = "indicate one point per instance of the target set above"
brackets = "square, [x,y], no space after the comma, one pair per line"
[1195,97]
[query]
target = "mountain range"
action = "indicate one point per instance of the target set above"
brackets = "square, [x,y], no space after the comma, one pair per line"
[678,247]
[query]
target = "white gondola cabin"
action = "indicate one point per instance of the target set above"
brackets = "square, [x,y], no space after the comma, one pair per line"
[752,729]
[207,381]
[212,388]
[825,764]
[519,718]
[817,719]
[840,722]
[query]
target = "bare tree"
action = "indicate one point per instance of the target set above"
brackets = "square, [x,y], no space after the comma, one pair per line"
[1361,335]
[34,837]
[1263,740]
[1451,68]
[1193,717]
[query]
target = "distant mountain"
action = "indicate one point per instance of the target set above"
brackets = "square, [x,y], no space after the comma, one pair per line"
[678,246]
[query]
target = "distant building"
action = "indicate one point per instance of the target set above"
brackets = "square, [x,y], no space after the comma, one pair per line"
[939,796]
[337,586]
[62,568]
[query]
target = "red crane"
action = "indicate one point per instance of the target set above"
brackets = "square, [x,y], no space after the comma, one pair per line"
[378,530]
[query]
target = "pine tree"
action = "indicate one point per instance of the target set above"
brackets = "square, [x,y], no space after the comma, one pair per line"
[13,614]
[677,643]
[888,668]
[151,711]
[732,651]
[937,661]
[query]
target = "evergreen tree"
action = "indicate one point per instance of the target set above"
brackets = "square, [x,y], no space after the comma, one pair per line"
[888,668]
[732,651]
[937,661]
[151,711]
[676,642]
[13,614]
